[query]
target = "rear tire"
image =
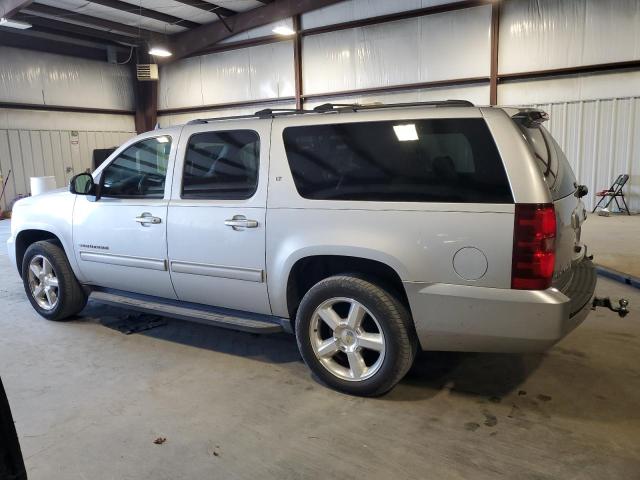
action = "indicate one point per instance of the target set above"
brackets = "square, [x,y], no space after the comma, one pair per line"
[49,281]
[355,336]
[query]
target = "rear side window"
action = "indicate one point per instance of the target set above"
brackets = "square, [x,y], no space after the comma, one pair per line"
[438,160]
[221,165]
[551,160]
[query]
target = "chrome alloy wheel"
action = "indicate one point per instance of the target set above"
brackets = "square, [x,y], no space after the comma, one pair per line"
[43,282]
[347,339]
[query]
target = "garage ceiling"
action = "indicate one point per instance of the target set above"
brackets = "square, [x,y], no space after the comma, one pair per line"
[89,27]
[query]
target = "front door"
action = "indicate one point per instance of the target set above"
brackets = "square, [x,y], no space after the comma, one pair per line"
[216,225]
[120,240]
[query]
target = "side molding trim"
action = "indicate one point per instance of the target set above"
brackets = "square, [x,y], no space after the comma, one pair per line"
[124,260]
[234,273]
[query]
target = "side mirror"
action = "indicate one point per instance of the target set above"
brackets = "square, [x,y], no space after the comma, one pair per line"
[82,184]
[581,191]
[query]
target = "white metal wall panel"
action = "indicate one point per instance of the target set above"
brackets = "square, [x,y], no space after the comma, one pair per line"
[180,84]
[28,153]
[546,34]
[46,79]
[589,87]
[359,9]
[601,139]
[264,71]
[434,47]
[46,120]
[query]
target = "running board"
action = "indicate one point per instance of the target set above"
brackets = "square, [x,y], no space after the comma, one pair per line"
[220,317]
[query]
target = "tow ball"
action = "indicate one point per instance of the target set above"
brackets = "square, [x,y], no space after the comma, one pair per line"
[622,310]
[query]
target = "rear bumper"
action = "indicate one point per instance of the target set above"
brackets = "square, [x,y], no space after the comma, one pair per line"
[481,319]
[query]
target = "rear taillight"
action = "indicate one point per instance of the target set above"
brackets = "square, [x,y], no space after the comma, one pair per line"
[534,254]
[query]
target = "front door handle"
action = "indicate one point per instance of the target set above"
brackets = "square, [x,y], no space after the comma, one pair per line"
[146,218]
[238,222]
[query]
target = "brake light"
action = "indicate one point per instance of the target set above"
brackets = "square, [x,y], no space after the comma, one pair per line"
[534,255]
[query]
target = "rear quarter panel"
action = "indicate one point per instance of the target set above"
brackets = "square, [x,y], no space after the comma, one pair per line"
[417,240]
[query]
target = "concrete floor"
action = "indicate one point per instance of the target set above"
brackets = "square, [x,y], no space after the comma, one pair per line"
[89,401]
[614,241]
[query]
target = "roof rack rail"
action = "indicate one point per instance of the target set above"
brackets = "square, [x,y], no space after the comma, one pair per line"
[272,112]
[332,107]
[354,107]
[265,113]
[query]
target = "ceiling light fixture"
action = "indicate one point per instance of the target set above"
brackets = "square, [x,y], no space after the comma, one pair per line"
[284,30]
[8,22]
[159,52]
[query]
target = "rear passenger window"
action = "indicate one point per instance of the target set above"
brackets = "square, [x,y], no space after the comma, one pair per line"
[221,165]
[439,160]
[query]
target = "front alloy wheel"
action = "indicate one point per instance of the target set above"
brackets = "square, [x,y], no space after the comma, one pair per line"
[49,281]
[43,282]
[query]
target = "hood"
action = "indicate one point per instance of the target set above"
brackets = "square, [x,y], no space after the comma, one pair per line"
[42,198]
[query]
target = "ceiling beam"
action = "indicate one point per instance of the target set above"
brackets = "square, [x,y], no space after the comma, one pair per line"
[209,7]
[8,8]
[146,12]
[39,42]
[68,15]
[204,36]
[71,29]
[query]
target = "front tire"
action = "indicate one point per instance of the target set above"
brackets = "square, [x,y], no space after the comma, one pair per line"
[49,281]
[355,336]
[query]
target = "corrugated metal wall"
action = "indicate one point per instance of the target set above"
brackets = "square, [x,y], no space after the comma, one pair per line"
[601,139]
[59,153]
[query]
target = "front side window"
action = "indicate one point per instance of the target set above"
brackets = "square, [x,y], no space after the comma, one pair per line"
[434,160]
[221,165]
[138,172]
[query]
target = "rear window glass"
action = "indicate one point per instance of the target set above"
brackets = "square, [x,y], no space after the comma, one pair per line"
[439,160]
[552,161]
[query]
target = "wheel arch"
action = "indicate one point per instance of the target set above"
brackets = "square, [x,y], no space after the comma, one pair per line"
[308,270]
[26,238]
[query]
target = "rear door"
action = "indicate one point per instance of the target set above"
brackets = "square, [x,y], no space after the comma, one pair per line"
[216,219]
[570,210]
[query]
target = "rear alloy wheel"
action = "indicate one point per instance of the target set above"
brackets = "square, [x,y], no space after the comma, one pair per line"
[49,281]
[355,336]
[341,343]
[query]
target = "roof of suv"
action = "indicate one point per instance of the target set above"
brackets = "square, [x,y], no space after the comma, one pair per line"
[517,113]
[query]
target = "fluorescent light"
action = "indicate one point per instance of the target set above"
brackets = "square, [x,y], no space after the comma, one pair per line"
[284,30]
[406,133]
[7,22]
[159,52]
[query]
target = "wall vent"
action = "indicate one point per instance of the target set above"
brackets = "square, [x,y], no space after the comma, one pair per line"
[147,72]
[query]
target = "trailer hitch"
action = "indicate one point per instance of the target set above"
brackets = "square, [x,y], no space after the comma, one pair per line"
[622,310]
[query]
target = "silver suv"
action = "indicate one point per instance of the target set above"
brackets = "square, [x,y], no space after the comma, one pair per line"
[369,231]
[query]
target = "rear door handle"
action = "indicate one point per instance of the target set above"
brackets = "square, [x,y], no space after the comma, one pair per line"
[146,218]
[238,222]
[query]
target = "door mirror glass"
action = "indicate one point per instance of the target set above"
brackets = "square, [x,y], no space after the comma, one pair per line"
[82,184]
